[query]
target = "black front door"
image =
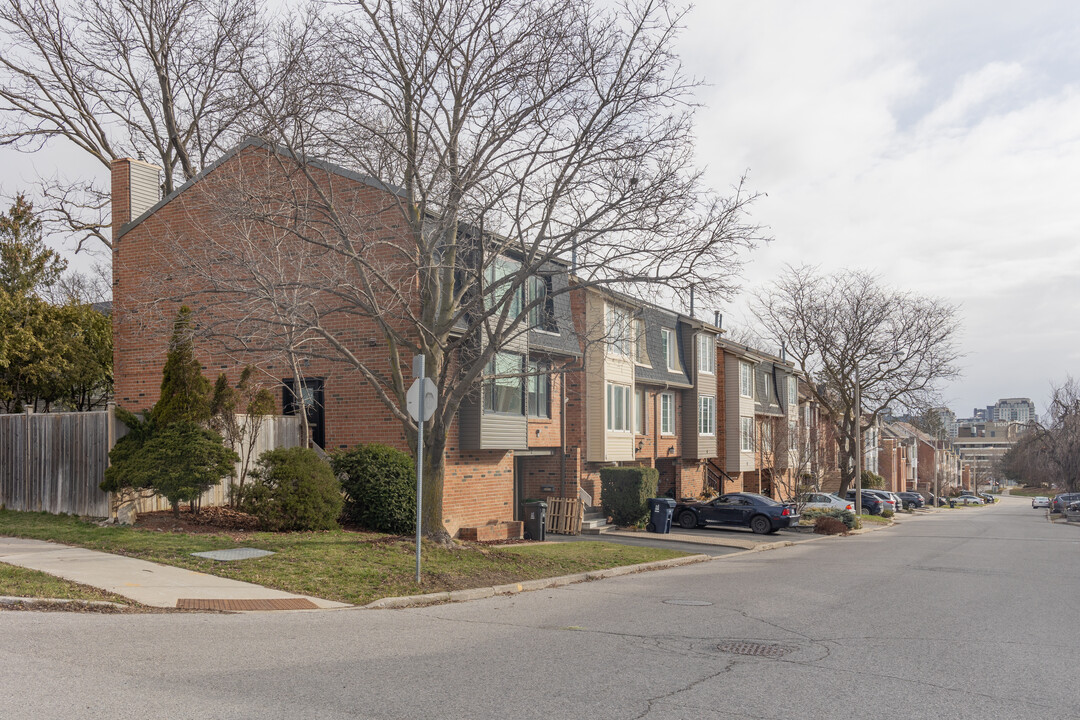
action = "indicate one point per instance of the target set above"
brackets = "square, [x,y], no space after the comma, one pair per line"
[312,389]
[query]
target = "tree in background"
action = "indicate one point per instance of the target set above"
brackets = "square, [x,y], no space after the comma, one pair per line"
[155,79]
[51,353]
[832,324]
[1050,454]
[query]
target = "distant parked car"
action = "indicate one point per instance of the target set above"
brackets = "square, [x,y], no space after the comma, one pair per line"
[871,504]
[988,498]
[891,501]
[1060,501]
[757,512]
[1040,502]
[912,500]
[968,500]
[828,501]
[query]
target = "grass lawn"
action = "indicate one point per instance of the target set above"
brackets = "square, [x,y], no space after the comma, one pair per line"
[20,582]
[350,567]
[873,520]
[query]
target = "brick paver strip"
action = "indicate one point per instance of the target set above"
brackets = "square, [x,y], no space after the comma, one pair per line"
[261,604]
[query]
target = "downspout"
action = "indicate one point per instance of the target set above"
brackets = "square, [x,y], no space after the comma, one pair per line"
[562,435]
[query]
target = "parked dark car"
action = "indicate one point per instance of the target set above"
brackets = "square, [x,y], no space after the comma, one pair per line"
[1058,504]
[871,504]
[987,497]
[757,512]
[912,500]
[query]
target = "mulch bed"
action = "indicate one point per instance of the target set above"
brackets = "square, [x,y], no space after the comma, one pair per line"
[209,520]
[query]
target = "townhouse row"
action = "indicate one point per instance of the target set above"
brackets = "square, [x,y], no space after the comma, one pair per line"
[599,378]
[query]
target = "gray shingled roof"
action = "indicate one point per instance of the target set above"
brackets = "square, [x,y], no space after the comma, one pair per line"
[657,371]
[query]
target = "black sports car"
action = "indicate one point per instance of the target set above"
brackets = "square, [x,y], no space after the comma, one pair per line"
[757,512]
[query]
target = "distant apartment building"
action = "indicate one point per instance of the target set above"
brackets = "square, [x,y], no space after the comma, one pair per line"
[1021,410]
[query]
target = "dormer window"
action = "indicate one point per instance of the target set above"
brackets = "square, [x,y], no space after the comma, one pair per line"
[667,340]
[618,329]
[542,310]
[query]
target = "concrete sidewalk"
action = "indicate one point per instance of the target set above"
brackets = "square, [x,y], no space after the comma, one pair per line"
[150,583]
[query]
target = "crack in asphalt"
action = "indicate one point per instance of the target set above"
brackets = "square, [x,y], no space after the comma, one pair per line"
[649,702]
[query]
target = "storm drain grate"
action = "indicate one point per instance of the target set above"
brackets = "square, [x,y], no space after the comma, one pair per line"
[756,649]
[244,605]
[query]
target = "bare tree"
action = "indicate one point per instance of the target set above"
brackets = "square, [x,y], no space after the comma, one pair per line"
[834,324]
[511,143]
[157,79]
[1055,444]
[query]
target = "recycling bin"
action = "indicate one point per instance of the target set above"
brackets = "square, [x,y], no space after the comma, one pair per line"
[535,519]
[660,512]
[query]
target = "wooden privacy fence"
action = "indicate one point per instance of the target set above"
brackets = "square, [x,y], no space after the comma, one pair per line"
[564,515]
[55,462]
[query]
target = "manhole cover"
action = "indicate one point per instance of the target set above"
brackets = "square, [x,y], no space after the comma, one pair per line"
[691,603]
[233,554]
[756,649]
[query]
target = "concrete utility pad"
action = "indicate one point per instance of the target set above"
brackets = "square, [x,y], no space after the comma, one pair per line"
[233,554]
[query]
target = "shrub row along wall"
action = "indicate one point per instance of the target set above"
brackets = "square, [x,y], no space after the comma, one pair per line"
[55,462]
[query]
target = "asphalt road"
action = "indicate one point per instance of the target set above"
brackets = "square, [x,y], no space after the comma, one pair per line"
[970,613]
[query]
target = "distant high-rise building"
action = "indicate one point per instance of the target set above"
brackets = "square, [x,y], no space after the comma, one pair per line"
[1020,410]
[948,421]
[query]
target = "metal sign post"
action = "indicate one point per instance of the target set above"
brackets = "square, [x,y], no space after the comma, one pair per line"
[421,401]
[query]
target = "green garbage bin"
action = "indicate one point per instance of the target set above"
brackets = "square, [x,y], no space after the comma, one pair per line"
[535,514]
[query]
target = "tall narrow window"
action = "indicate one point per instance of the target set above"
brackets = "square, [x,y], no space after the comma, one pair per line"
[641,354]
[542,313]
[539,390]
[618,407]
[746,434]
[641,410]
[706,354]
[746,379]
[501,287]
[618,329]
[504,390]
[667,339]
[667,414]
[792,390]
[706,415]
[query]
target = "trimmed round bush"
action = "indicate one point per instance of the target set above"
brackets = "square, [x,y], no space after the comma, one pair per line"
[293,489]
[845,516]
[887,514]
[380,487]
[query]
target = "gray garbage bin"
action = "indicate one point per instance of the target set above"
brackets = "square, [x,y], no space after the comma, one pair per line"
[535,514]
[660,511]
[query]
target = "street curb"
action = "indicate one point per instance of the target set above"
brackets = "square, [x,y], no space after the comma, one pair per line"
[13,600]
[408,601]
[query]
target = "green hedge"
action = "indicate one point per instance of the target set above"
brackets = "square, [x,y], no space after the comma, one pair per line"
[624,491]
[380,487]
[845,516]
[293,489]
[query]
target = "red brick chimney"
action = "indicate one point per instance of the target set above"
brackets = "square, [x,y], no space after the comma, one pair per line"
[135,189]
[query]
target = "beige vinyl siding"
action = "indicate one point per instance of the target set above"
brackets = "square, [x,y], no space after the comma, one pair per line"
[600,369]
[618,445]
[492,431]
[736,407]
[144,187]
[695,445]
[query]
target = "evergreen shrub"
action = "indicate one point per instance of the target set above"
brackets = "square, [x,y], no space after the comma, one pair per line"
[293,489]
[845,516]
[380,487]
[625,490]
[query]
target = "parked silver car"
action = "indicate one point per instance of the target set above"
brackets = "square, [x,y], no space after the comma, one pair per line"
[828,501]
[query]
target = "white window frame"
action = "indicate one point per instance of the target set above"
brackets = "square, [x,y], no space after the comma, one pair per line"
[667,338]
[793,390]
[706,354]
[746,434]
[667,421]
[619,395]
[618,323]
[707,415]
[641,411]
[746,379]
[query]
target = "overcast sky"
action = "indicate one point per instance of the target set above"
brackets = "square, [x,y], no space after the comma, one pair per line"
[937,143]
